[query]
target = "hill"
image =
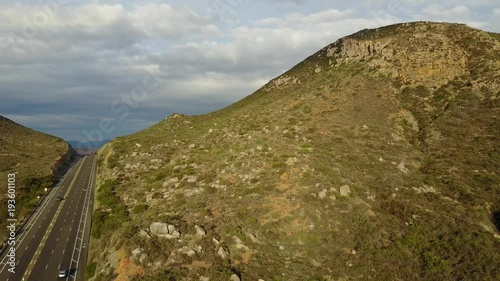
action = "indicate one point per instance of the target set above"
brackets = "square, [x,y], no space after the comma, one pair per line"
[36,158]
[376,158]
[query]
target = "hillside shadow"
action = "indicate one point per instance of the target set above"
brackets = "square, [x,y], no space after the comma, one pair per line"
[496,220]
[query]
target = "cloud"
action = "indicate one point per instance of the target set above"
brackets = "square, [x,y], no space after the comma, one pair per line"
[67,73]
[298,19]
[438,11]
[166,22]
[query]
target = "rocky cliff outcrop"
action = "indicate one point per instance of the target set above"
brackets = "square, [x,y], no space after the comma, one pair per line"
[63,162]
[422,53]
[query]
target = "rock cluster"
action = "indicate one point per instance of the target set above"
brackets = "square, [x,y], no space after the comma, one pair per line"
[164,230]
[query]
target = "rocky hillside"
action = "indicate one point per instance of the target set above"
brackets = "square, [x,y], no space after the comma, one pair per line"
[36,158]
[376,158]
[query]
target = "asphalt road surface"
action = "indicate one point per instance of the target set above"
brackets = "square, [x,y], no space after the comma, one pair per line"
[57,235]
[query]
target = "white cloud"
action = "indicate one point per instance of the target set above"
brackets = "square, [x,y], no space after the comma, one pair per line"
[494,23]
[298,19]
[438,11]
[85,56]
[99,25]
[164,21]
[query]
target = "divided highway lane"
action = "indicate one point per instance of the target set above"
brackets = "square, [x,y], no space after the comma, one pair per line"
[56,231]
[80,250]
[64,246]
[29,237]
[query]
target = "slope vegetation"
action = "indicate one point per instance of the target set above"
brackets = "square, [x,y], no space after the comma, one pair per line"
[374,159]
[36,159]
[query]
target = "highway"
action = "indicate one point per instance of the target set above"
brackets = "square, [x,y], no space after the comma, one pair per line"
[57,234]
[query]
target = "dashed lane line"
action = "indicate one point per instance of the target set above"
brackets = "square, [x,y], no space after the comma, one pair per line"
[86,204]
[33,261]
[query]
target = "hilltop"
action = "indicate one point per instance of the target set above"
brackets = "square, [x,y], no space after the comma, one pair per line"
[376,158]
[36,158]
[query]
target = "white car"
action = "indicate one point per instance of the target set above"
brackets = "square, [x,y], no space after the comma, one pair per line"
[63,273]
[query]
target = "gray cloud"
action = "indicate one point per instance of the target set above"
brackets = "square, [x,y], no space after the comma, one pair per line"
[66,76]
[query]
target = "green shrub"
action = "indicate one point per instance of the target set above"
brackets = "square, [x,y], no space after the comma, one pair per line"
[170,274]
[102,220]
[90,270]
[98,219]
[433,262]
[279,165]
[112,162]
[129,231]
[140,208]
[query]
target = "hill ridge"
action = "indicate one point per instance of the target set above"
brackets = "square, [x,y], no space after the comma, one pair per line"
[36,158]
[374,158]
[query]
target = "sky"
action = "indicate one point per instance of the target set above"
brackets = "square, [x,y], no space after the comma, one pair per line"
[92,70]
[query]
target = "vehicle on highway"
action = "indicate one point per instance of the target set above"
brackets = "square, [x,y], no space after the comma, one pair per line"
[60,198]
[63,273]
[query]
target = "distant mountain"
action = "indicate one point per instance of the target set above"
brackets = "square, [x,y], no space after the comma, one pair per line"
[87,144]
[36,159]
[376,158]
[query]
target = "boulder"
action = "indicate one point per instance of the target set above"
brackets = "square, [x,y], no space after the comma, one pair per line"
[237,240]
[292,160]
[198,249]
[239,244]
[171,228]
[159,228]
[425,189]
[136,252]
[234,277]
[170,182]
[223,253]
[144,233]
[402,168]
[189,179]
[200,231]
[114,259]
[345,190]
[253,238]
[187,251]
[322,194]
